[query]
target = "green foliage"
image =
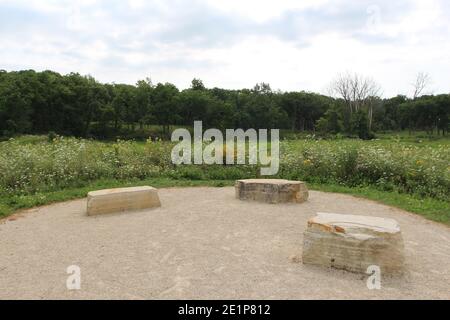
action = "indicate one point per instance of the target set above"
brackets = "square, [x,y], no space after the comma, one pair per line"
[51,136]
[331,122]
[421,170]
[32,169]
[38,165]
[197,84]
[360,125]
[74,105]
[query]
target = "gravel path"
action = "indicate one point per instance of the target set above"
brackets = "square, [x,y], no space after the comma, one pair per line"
[204,244]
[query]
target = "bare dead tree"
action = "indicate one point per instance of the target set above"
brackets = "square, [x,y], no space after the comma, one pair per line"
[357,91]
[342,87]
[423,80]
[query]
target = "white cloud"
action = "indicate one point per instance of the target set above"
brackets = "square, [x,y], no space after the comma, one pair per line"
[263,10]
[294,45]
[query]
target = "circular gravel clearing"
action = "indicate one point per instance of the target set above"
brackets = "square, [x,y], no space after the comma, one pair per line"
[205,244]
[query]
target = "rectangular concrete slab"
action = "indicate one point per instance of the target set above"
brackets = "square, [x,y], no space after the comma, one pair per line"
[271,190]
[351,223]
[353,243]
[122,199]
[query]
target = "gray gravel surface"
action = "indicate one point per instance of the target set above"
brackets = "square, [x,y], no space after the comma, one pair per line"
[205,244]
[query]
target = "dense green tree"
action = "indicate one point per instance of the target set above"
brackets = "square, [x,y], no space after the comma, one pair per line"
[360,124]
[14,109]
[260,109]
[443,113]
[389,117]
[166,106]
[193,105]
[197,84]
[331,122]
[143,102]
[42,102]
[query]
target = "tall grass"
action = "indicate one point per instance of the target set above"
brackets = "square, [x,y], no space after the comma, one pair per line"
[43,166]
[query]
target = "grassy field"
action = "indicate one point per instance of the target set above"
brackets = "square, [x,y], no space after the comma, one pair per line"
[409,172]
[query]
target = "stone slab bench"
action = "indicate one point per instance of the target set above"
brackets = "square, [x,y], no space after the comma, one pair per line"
[354,243]
[271,190]
[122,199]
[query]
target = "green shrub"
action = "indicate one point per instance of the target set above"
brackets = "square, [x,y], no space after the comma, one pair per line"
[31,165]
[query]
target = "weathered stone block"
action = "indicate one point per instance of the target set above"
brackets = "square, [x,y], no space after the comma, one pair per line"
[123,199]
[354,243]
[271,190]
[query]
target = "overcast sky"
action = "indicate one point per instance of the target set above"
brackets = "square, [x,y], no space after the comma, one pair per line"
[293,45]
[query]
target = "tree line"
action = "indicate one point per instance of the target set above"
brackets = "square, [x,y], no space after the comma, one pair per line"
[42,102]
